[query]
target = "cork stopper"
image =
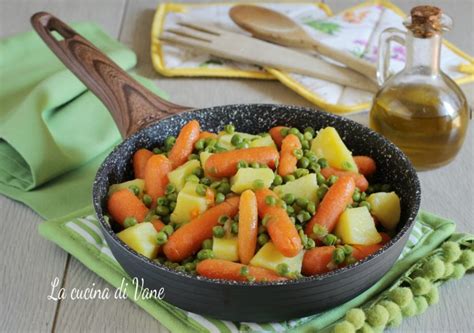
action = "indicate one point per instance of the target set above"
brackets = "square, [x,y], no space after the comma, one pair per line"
[425,21]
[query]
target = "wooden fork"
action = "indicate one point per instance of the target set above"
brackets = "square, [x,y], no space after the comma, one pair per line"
[241,48]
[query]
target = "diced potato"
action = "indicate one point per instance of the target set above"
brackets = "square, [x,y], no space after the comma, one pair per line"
[140,183]
[328,144]
[386,208]
[188,204]
[225,248]
[356,226]
[245,177]
[225,139]
[177,177]
[203,156]
[265,141]
[269,257]
[304,187]
[142,238]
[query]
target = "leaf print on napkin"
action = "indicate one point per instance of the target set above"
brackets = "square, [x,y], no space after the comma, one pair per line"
[330,28]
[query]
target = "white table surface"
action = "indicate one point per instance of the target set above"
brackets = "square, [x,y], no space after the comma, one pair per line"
[29,262]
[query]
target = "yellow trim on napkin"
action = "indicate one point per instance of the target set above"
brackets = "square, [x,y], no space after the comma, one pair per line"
[157,52]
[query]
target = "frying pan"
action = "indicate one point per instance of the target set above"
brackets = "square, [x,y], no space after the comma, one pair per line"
[145,120]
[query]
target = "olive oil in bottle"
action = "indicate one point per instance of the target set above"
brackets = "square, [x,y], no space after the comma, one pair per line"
[420,109]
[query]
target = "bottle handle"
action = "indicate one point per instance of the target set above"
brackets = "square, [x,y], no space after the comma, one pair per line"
[383,62]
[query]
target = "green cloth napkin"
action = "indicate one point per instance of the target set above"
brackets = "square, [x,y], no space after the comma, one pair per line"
[54,133]
[79,234]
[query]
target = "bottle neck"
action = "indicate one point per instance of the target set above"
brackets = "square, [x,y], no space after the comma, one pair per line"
[423,54]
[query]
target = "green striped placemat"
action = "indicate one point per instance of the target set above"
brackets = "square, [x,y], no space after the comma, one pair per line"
[80,235]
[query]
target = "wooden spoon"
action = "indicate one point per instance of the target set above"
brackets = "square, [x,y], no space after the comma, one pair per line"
[278,28]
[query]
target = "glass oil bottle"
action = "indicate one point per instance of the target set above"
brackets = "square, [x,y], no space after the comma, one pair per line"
[420,109]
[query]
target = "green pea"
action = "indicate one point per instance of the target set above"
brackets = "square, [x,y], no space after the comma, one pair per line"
[311,207]
[162,210]
[198,172]
[172,205]
[172,197]
[147,200]
[270,200]
[162,201]
[314,166]
[201,190]
[303,216]
[363,196]
[223,219]
[218,231]
[309,130]
[365,204]
[289,178]
[301,172]
[190,266]
[322,191]
[283,269]
[282,204]
[319,231]
[356,196]
[302,202]
[207,244]
[258,184]
[205,254]
[161,238]
[329,239]
[205,181]
[242,164]
[289,198]
[290,210]
[170,188]
[169,142]
[220,197]
[284,131]
[305,145]
[200,144]
[277,180]
[293,131]
[236,139]
[298,153]
[211,142]
[265,220]
[157,151]
[311,156]
[262,239]
[338,256]
[129,222]
[308,136]
[229,128]
[135,189]
[332,179]
[192,178]
[320,178]
[310,243]
[215,185]
[303,162]
[224,188]
[347,249]
[323,162]
[242,145]
[244,271]
[168,229]
[300,137]
[234,228]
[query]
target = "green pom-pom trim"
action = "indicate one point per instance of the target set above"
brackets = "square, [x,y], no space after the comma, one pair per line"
[366,328]
[421,304]
[396,321]
[401,295]
[392,308]
[458,271]
[377,315]
[448,270]
[410,310]
[451,251]
[467,259]
[432,297]
[433,269]
[344,327]
[420,286]
[356,317]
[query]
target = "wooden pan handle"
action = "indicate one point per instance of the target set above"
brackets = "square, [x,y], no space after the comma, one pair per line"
[131,105]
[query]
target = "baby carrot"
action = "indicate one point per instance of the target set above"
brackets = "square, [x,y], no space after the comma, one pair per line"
[156,176]
[225,164]
[123,204]
[288,159]
[184,145]
[279,226]
[205,135]
[140,158]
[188,239]
[275,133]
[157,224]
[317,260]
[248,226]
[359,252]
[365,164]
[228,270]
[360,181]
[333,204]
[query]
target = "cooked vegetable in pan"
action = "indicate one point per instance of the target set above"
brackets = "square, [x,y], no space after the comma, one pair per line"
[253,207]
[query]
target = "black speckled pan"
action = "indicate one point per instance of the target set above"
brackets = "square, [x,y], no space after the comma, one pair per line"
[135,109]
